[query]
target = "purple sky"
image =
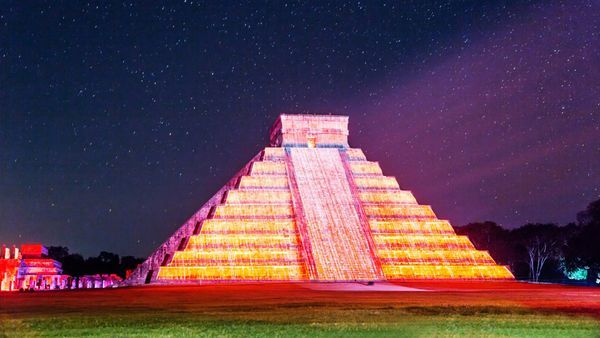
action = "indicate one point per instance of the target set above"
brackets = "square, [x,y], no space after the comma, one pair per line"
[505,129]
[118,120]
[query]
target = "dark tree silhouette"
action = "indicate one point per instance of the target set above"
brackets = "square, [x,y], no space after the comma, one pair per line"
[73,265]
[540,244]
[583,249]
[532,251]
[128,263]
[58,252]
[105,263]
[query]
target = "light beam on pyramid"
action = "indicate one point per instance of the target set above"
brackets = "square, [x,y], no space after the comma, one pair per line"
[311,208]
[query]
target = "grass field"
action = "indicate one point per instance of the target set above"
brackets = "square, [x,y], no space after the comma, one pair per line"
[444,309]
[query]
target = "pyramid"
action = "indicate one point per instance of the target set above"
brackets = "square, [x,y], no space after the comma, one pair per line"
[311,208]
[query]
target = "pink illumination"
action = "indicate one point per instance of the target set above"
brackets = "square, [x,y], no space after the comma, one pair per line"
[339,244]
[30,269]
[311,208]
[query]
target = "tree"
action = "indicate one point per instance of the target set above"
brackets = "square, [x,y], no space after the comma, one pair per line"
[539,250]
[128,263]
[58,252]
[73,265]
[591,215]
[541,243]
[106,262]
[583,249]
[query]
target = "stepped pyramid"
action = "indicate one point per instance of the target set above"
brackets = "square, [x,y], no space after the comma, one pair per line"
[310,208]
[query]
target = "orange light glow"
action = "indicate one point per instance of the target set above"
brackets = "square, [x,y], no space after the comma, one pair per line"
[229,272]
[434,227]
[268,167]
[274,154]
[254,210]
[243,240]
[446,272]
[264,182]
[436,256]
[258,196]
[235,256]
[356,154]
[376,182]
[398,211]
[423,242]
[387,196]
[364,167]
[247,226]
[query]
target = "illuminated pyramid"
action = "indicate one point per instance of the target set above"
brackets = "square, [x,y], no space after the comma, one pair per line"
[309,207]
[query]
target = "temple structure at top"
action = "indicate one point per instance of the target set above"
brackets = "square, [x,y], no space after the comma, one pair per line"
[311,208]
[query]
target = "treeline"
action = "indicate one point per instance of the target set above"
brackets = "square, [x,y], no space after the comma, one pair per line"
[545,252]
[105,263]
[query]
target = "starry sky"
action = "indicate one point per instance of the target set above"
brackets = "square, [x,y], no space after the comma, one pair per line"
[118,120]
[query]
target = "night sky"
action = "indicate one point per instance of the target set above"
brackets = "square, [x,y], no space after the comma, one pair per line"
[118,120]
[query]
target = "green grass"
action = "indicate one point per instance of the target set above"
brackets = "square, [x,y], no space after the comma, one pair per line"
[316,322]
[290,313]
